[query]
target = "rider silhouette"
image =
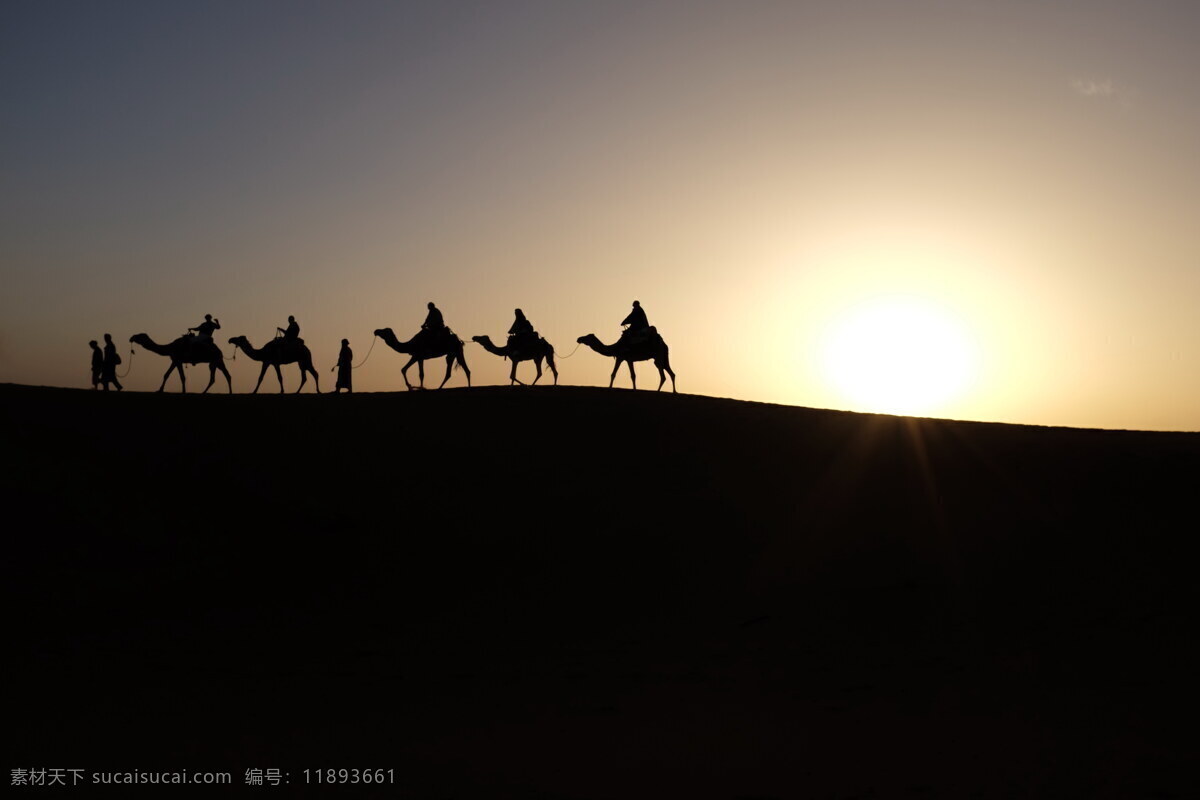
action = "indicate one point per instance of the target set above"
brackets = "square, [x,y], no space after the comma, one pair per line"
[638,325]
[433,320]
[205,329]
[293,330]
[521,330]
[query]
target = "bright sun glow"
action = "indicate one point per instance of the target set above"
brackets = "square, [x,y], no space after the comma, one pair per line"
[900,355]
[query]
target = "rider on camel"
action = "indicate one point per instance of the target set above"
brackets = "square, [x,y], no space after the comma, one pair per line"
[434,326]
[205,329]
[521,330]
[639,326]
[293,329]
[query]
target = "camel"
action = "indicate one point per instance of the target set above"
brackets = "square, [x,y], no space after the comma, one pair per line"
[187,350]
[422,347]
[652,349]
[531,351]
[280,351]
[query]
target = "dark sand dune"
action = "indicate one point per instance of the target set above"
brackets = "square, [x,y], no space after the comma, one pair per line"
[573,592]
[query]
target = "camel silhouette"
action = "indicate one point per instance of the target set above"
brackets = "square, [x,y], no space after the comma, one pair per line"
[652,349]
[424,347]
[280,351]
[187,350]
[529,351]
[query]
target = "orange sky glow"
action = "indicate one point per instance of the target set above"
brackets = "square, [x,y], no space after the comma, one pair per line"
[813,201]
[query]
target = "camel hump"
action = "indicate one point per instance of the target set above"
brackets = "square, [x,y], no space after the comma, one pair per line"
[288,348]
[445,337]
[200,348]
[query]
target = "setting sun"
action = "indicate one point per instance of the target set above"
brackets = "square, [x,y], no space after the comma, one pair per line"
[899,354]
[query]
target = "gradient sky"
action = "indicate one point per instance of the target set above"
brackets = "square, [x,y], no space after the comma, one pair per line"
[752,172]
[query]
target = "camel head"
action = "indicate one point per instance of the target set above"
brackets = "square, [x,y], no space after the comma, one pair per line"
[384,332]
[584,339]
[139,338]
[481,339]
[240,341]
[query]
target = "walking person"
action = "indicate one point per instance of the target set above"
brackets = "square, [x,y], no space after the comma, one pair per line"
[111,359]
[345,359]
[97,364]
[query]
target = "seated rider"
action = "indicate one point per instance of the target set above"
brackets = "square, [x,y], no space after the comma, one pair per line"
[433,326]
[638,325]
[205,329]
[293,330]
[521,331]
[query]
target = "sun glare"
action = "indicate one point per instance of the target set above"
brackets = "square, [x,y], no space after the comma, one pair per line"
[900,355]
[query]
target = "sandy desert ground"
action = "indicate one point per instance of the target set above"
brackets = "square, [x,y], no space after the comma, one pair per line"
[583,593]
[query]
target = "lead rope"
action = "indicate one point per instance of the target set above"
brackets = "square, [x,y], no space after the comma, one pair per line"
[556,355]
[368,355]
[126,372]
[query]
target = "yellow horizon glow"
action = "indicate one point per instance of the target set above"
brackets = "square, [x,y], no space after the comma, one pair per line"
[899,354]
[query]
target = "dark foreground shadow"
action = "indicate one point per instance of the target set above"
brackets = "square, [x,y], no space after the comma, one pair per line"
[773,602]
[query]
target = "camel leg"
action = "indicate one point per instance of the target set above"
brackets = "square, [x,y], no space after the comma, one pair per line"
[166,375]
[613,377]
[632,374]
[449,367]
[457,355]
[279,374]
[421,373]
[303,379]
[404,372]
[212,377]
[537,364]
[182,378]
[261,373]
[665,365]
[554,369]
[228,380]
[307,366]
[512,374]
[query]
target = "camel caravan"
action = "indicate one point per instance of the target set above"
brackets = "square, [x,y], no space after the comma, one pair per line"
[639,341]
